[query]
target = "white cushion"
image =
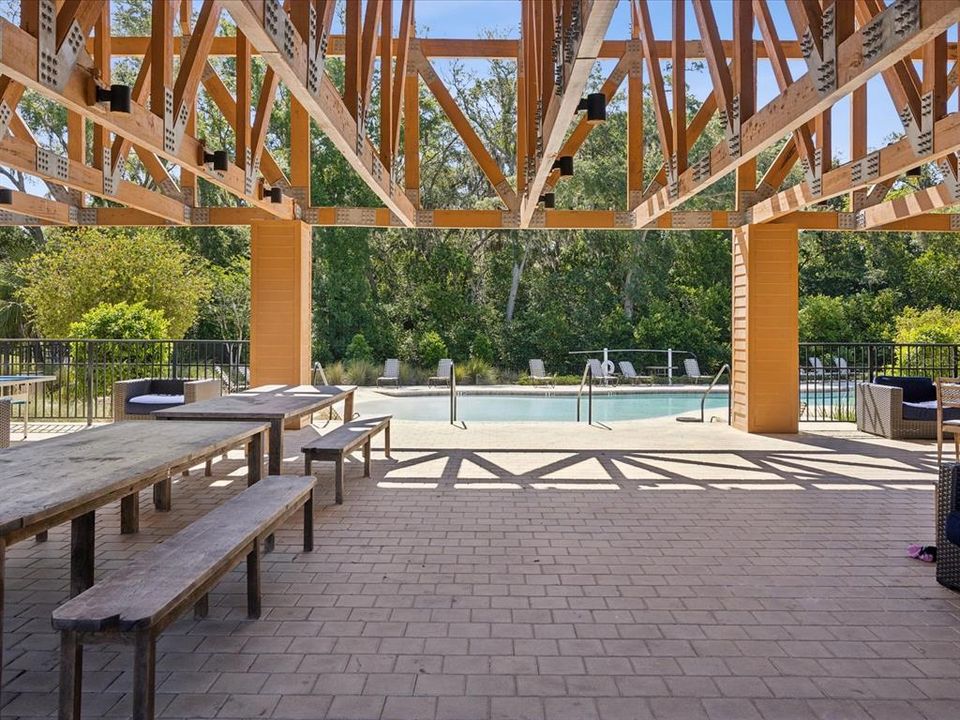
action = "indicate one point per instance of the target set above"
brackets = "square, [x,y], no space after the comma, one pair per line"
[157,399]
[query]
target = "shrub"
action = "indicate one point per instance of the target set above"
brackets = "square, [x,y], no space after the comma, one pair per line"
[558,380]
[411,374]
[336,374]
[362,372]
[122,360]
[936,325]
[431,349]
[481,348]
[359,349]
[476,372]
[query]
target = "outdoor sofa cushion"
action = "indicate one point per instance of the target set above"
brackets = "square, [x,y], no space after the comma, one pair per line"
[146,404]
[915,389]
[927,410]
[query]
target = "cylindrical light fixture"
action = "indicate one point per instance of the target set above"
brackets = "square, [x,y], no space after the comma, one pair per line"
[596,106]
[548,200]
[219,158]
[120,97]
[564,164]
[6,196]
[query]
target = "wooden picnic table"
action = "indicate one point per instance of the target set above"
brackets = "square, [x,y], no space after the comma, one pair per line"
[20,393]
[50,482]
[276,404]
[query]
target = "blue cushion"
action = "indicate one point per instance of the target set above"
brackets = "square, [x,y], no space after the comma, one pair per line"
[927,410]
[915,389]
[146,404]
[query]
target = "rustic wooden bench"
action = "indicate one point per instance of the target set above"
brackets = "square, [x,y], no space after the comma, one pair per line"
[135,604]
[337,444]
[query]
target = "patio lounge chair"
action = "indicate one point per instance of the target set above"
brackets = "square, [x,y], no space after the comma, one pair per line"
[538,373]
[391,373]
[841,366]
[596,369]
[691,369]
[814,368]
[630,373]
[443,373]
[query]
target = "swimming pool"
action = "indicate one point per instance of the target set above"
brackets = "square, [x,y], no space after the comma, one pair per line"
[541,408]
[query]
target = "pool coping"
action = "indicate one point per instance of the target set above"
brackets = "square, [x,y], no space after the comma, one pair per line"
[543,391]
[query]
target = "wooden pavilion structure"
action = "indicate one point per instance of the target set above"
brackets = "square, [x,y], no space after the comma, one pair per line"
[63,49]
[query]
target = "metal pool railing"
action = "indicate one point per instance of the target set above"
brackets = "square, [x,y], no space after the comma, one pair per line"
[85,369]
[829,372]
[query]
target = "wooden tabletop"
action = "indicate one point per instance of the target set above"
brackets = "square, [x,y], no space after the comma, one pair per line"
[43,479]
[267,402]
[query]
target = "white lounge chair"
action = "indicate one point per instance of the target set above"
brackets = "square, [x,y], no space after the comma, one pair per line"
[630,373]
[443,373]
[391,372]
[596,369]
[538,373]
[691,369]
[814,368]
[842,368]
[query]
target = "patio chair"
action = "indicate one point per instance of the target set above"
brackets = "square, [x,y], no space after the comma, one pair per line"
[443,373]
[538,373]
[691,369]
[630,373]
[841,366]
[596,369]
[391,372]
[814,368]
[948,396]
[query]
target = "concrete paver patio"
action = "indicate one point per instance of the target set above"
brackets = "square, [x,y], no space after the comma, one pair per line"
[649,570]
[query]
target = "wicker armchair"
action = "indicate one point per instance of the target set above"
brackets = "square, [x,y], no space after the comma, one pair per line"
[6,407]
[899,408]
[948,400]
[192,391]
[948,499]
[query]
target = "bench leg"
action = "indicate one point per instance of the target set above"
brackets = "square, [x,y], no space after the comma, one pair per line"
[307,464]
[338,481]
[130,514]
[162,493]
[208,468]
[202,608]
[386,440]
[71,675]
[308,524]
[253,581]
[42,536]
[254,453]
[366,458]
[144,676]
[82,547]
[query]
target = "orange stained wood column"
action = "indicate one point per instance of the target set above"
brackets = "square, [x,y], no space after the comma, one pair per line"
[280,302]
[766,375]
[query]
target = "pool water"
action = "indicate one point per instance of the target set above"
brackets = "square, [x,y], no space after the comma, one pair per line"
[541,408]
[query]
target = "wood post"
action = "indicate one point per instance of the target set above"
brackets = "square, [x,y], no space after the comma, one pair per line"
[765,380]
[308,519]
[280,302]
[253,581]
[255,459]
[82,546]
[338,481]
[144,674]
[71,675]
[130,514]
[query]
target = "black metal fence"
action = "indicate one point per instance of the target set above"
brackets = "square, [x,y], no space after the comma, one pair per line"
[829,372]
[85,370]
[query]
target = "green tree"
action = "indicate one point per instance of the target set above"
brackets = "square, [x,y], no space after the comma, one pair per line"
[80,269]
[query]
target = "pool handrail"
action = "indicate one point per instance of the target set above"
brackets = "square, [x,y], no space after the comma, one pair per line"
[703,399]
[588,379]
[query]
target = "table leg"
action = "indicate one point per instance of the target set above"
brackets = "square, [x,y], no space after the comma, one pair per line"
[162,495]
[366,458]
[253,581]
[130,514]
[348,408]
[308,523]
[71,675]
[386,440]
[255,459]
[82,547]
[144,675]
[276,447]
[42,536]
[3,559]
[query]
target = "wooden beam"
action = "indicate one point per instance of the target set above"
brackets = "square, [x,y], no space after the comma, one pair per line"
[403,51]
[715,55]
[41,208]
[351,60]
[411,136]
[241,114]
[657,90]
[161,53]
[192,63]
[561,109]
[907,206]
[386,85]
[802,101]
[489,166]
[326,108]
[18,53]
[679,62]
[368,50]
[261,122]
[745,84]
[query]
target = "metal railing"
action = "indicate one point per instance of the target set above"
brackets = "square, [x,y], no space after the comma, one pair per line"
[86,369]
[829,372]
[453,394]
[587,380]
[703,399]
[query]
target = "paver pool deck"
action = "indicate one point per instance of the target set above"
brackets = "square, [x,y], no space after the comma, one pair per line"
[649,569]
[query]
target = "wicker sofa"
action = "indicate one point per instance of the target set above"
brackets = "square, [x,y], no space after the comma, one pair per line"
[6,411]
[137,399]
[900,408]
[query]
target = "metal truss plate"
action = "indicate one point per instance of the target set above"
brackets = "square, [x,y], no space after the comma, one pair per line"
[539,219]
[299,194]
[52,164]
[897,22]
[846,221]
[691,220]
[110,179]
[510,219]
[311,216]
[624,220]
[62,194]
[356,217]
[733,128]
[865,169]
[860,220]
[200,216]
[11,218]
[169,188]
[736,219]
[5,114]
[249,172]
[425,218]
[701,168]
[87,216]
[955,222]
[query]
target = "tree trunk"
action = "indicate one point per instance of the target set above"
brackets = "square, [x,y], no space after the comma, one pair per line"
[629,279]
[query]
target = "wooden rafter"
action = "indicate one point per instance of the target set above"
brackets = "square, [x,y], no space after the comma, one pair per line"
[655,81]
